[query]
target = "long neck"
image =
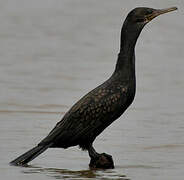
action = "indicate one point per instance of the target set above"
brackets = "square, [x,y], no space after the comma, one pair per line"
[126,58]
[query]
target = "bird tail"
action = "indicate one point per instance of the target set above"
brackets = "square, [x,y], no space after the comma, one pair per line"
[29,155]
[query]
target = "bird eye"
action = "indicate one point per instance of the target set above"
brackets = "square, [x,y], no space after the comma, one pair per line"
[149,11]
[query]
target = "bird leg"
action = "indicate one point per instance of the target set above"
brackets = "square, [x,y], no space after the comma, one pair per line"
[92,153]
[103,160]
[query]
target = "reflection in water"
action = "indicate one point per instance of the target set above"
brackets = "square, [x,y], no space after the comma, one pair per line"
[71,174]
[139,167]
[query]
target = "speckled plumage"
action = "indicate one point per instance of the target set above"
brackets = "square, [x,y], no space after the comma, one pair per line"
[101,106]
[93,113]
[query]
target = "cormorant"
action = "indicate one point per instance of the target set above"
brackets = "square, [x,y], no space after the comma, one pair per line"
[104,104]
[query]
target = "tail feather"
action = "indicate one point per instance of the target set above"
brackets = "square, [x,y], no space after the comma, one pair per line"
[29,155]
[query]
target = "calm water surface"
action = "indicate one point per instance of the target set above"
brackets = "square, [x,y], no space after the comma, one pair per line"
[53,52]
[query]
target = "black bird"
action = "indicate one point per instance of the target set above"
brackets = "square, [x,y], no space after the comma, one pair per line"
[104,104]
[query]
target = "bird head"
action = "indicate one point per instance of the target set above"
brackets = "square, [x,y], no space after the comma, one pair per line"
[135,22]
[143,15]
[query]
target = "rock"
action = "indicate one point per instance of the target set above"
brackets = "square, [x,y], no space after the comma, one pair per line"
[103,161]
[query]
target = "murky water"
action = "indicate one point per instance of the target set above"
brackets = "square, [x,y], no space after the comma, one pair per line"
[53,52]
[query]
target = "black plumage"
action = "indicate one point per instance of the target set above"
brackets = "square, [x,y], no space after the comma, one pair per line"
[101,106]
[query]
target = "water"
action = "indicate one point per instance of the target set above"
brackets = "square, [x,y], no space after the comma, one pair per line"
[53,52]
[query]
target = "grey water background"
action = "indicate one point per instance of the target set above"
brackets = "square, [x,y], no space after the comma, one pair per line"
[53,52]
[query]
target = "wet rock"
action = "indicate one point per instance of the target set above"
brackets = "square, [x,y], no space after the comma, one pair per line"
[103,161]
